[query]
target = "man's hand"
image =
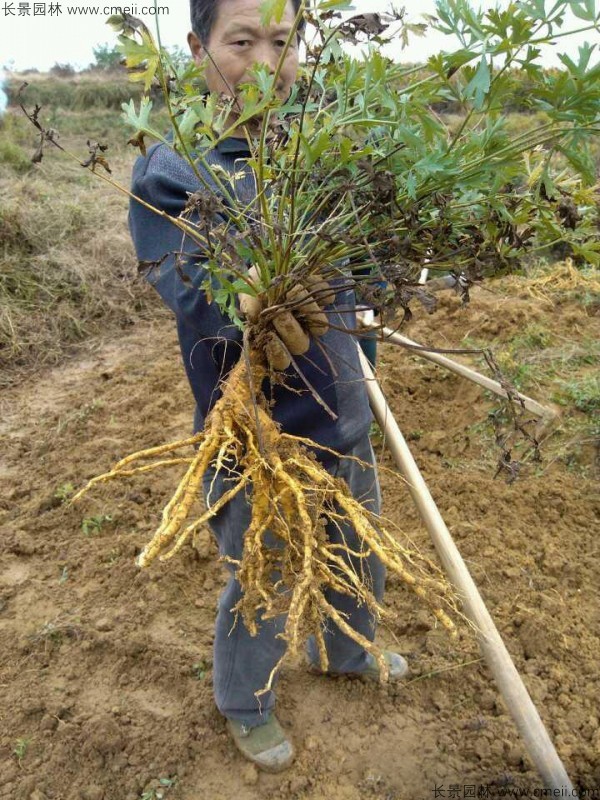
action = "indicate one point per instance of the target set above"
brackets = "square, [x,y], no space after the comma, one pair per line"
[251,305]
[289,324]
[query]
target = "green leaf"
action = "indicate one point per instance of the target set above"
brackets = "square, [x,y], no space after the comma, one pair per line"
[188,123]
[581,160]
[378,65]
[536,9]
[584,9]
[412,138]
[140,120]
[479,85]
[345,150]
[337,5]
[272,9]
[264,81]
[454,61]
[548,184]
[141,53]
[319,146]
[590,251]
[116,22]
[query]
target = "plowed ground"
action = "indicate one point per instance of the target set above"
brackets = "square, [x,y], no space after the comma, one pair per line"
[106,670]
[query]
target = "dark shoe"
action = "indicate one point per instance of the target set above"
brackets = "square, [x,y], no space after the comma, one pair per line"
[266,745]
[397,664]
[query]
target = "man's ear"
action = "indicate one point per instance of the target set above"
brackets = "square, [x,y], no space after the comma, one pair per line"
[196,48]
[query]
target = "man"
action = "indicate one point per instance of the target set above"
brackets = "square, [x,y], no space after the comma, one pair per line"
[228,34]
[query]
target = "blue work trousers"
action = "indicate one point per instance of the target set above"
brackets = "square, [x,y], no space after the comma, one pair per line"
[242,663]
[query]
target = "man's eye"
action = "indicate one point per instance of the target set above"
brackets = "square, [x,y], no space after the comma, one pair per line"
[280,42]
[242,42]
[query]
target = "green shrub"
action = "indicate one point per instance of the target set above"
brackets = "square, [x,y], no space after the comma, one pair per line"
[106,57]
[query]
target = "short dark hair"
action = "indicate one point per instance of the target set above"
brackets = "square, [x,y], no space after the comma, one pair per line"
[204,12]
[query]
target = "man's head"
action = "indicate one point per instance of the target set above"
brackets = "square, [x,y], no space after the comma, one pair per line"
[228,34]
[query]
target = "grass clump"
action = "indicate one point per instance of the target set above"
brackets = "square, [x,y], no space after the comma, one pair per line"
[582,392]
[14,156]
[157,790]
[54,632]
[94,524]
[66,263]
[534,337]
[20,748]
[64,491]
[523,358]
[13,135]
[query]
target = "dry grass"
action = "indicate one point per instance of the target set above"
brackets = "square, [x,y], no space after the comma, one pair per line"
[67,265]
[554,283]
[77,92]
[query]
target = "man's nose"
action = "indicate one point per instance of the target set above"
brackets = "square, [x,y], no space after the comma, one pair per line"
[267,54]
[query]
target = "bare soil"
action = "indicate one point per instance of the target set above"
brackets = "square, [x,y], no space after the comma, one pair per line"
[106,670]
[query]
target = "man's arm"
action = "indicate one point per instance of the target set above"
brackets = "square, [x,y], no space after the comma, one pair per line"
[156,239]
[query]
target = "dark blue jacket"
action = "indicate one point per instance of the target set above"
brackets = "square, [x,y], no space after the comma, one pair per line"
[210,343]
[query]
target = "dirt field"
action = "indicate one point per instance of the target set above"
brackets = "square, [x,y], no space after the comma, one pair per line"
[106,670]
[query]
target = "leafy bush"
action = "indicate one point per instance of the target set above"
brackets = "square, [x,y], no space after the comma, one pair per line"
[106,58]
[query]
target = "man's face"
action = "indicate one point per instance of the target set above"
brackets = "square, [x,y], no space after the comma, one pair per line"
[238,41]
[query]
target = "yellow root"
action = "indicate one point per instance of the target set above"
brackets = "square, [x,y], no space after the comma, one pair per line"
[288,561]
[127,473]
[158,451]
[375,651]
